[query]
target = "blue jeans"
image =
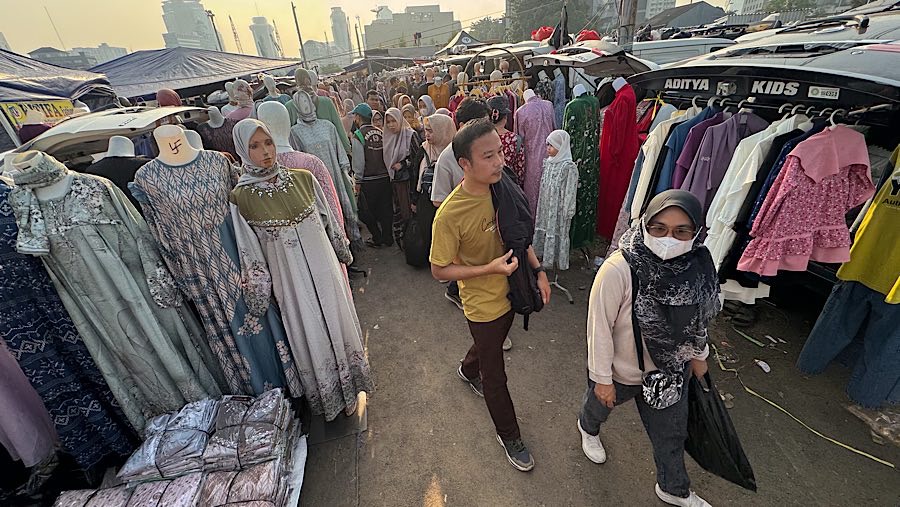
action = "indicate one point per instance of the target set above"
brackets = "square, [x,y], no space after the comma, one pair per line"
[667,429]
[854,310]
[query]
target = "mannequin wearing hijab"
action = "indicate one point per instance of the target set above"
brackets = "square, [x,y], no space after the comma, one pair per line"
[122,300]
[671,299]
[167,98]
[402,155]
[232,103]
[288,236]
[321,139]
[275,116]
[556,204]
[243,95]
[325,109]
[191,214]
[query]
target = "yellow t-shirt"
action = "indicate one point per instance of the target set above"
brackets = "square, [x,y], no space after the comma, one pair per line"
[875,256]
[465,233]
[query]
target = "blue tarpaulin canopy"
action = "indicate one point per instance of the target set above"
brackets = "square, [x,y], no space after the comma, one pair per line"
[23,79]
[143,73]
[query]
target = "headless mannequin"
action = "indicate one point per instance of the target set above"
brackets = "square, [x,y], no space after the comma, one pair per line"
[216,118]
[174,148]
[618,83]
[119,146]
[194,139]
[276,117]
[461,79]
[29,159]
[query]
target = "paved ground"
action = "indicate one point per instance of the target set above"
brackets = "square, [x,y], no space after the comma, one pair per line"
[429,440]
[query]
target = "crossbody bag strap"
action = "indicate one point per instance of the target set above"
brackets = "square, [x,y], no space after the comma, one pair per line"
[638,340]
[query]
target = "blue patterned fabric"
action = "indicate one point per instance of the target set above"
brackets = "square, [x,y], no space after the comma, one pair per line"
[187,209]
[41,336]
[559,99]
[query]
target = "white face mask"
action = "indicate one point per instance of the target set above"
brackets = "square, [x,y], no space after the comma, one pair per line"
[668,247]
[438,81]
[423,111]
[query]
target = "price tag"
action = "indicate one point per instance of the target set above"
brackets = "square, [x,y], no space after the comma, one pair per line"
[821,92]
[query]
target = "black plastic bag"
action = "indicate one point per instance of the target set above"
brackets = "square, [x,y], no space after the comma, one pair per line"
[712,441]
[414,244]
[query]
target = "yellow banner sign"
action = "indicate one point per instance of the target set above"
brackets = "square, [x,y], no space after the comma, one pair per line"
[53,111]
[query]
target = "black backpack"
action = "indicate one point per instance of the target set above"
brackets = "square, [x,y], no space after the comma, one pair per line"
[428,176]
[414,247]
[516,227]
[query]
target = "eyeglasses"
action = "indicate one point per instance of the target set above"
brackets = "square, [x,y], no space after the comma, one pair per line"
[679,233]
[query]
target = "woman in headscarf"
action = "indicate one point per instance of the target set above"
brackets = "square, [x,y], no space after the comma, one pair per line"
[444,111]
[167,98]
[556,203]
[297,256]
[412,117]
[650,307]
[426,107]
[347,118]
[439,132]
[395,100]
[378,120]
[404,101]
[402,154]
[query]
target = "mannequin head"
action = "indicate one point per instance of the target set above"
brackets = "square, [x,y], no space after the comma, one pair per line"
[429,74]
[504,66]
[243,94]
[269,83]
[194,139]
[453,71]
[313,78]
[26,160]
[174,148]
[229,89]
[261,149]
[529,93]
[579,90]
[306,106]
[119,146]
[216,119]
[301,76]
[619,83]
[276,117]
[496,75]
[167,98]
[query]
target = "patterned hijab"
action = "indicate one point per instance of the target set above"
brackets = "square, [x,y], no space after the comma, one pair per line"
[306,105]
[32,238]
[243,94]
[243,131]
[676,299]
[396,144]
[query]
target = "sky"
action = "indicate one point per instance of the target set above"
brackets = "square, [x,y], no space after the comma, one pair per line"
[138,24]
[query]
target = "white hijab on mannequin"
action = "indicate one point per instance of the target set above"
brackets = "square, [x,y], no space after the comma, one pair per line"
[277,119]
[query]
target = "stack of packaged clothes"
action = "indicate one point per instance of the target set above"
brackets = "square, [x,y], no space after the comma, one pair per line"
[238,451]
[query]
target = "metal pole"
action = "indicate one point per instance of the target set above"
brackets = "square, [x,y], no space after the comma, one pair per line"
[628,11]
[358,45]
[212,22]
[297,25]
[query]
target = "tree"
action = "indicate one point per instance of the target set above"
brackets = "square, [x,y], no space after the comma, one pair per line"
[528,15]
[488,29]
[789,5]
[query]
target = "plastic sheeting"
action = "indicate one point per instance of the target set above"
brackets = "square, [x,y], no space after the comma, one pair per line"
[142,73]
[23,79]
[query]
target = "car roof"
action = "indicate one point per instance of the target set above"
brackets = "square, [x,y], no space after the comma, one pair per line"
[883,27]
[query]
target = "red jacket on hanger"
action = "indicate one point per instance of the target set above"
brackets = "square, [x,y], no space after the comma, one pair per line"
[619,145]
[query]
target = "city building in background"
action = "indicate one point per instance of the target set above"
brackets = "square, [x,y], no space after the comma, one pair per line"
[264,37]
[321,54]
[399,29]
[3,43]
[340,33]
[606,14]
[652,8]
[102,53]
[67,59]
[188,25]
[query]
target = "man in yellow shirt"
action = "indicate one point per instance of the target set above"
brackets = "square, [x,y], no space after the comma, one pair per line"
[466,246]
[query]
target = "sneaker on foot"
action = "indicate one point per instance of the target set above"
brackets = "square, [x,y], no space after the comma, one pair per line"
[693,500]
[592,446]
[517,454]
[455,299]
[507,344]
[475,384]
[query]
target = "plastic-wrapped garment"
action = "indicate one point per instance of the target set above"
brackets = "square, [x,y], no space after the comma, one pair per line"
[112,497]
[74,498]
[174,444]
[260,484]
[247,431]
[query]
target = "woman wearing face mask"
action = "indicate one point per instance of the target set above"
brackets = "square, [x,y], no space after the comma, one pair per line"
[649,309]
[426,107]
[402,156]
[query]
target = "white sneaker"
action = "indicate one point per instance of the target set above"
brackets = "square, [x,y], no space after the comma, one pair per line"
[592,446]
[507,344]
[692,501]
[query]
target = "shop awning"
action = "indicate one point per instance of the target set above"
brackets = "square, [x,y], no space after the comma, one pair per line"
[142,73]
[459,44]
[23,79]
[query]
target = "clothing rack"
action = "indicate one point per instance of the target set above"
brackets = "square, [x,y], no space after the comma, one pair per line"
[564,290]
[789,108]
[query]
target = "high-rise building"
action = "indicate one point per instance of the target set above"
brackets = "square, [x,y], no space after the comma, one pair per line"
[264,37]
[3,43]
[188,25]
[652,8]
[391,30]
[102,53]
[340,32]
